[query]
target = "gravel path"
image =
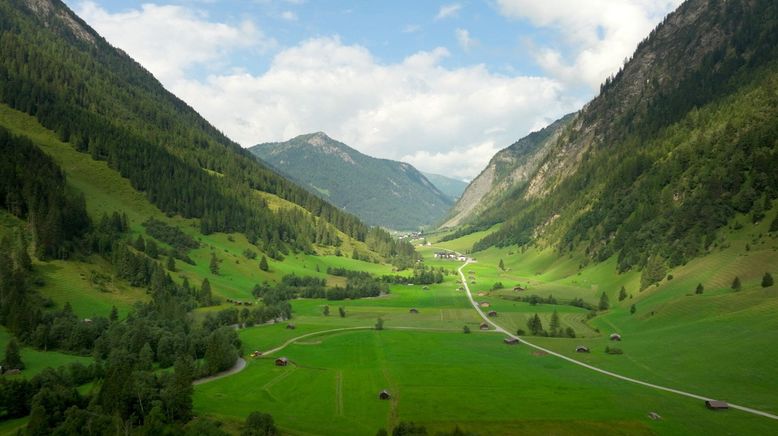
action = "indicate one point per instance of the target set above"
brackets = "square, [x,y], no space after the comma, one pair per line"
[239,366]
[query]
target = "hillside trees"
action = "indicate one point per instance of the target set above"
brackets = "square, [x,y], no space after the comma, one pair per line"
[13,356]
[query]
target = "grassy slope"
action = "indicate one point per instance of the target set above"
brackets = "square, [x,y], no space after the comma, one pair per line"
[443,378]
[106,191]
[719,344]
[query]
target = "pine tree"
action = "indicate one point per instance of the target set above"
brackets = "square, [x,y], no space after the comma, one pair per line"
[13,357]
[632,309]
[700,289]
[554,325]
[152,250]
[171,264]
[379,325]
[326,310]
[205,293]
[767,280]
[263,264]
[342,312]
[466,329]
[114,316]
[140,243]
[214,265]
[502,265]
[604,302]
[736,284]
[622,294]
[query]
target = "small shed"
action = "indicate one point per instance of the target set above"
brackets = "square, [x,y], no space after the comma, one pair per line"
[518,288]
[384,395]
[291,326]
[482,294]
[87,321]
[511,341]
[256,353]
[491,314]
[414,310]
[582,349]
[654,416]
[615,337]
[484,326]
[716,405]
[484,304]
[426,288]
[282,361]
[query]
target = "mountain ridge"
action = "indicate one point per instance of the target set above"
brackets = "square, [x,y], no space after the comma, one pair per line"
[381,191]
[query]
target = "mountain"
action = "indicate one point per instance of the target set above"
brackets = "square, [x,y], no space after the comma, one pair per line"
[507,170]
[676,143]
[380,191]
[451,187]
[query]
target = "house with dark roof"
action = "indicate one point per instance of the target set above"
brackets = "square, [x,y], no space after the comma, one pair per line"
[282,361]
[384,395]
[511,341]
[716,405]
[582,349]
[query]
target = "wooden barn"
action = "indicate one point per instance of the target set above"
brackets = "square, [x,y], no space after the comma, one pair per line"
[582,349]
[414,310]
[492,313]
[282,361]
[716,405]
[615,337]
[484,326]
[291,326]
[384,395]
[484,304]
[511,341]
[518,288]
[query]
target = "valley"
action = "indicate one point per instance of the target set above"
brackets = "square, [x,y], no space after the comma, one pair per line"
[610,273]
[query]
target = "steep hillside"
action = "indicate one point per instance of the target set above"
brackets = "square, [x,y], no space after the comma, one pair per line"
[681,139]
[453,188]
[380,191]
[508,170]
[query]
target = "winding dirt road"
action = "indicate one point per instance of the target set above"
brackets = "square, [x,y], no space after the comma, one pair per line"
[594,368]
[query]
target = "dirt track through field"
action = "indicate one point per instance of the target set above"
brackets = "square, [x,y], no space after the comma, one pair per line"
[594,368]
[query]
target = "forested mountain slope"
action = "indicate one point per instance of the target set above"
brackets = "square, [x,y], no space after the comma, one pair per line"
[380,191]
[56,68]
[675,144]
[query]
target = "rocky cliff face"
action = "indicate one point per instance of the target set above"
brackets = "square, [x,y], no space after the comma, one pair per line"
[510,168]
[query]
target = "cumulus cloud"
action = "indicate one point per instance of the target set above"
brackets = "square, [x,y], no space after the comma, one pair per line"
[289,16]
[415,109]
[170,39]
[447,11]
[601,33]
[442,119]
[465,40]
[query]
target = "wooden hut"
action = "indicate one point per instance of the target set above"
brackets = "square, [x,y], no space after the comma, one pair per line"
[518,288]
[484,326]
[491,314]
[256,354]
[291,326]
[384,395]
[282,361]
[615,337]
[484,304]
[511,341]
[414,310]
[582,349]
[716,405]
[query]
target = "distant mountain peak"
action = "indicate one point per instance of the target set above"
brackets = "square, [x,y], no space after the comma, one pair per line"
[381,191]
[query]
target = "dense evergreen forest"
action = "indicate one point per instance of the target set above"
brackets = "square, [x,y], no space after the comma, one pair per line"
[671,169]
[106,105]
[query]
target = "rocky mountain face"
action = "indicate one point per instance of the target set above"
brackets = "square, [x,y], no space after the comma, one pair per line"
[380,191]
[675,144]
[509,169]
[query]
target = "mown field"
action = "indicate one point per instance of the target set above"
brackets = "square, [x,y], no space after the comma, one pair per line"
[443,378]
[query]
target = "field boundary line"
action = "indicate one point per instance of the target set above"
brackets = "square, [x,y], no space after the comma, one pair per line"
[591,367]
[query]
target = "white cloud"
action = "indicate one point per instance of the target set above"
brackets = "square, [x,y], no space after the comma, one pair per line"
[289,16]
[414,109]
[170,39]
[447,11]
[441,119]
[601,33]
[465,40]
[411,28]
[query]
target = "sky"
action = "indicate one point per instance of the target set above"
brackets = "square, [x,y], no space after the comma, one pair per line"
[441,85]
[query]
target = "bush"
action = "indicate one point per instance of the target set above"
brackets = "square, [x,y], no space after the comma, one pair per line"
[767,280]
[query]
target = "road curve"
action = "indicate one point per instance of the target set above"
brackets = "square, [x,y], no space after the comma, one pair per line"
[594,368]
[239,366]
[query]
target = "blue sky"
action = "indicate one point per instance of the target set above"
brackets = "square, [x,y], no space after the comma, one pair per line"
[442,85]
